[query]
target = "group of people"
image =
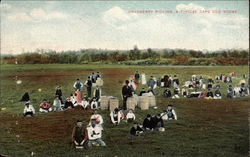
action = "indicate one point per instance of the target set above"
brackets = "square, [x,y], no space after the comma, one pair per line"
[75,99]
[196,87]
[91,135]
[117,115]
[154,122]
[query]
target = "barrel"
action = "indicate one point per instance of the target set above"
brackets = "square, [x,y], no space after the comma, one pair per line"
[152,101]
[113,103]
[143,102]
[131,103]
[104,102]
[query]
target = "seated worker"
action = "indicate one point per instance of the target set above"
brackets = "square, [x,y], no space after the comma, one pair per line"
[243,90]
[136,130]
[184,92]
[85,103]
[217,94]
[57,104]
[148,124]
[169,114]
[115,116]
[68,104]
[158,123]
[98,118]
[176,93]
[210,94]
[130,117]
[94,104]
[167,93]
[195,94]
[142,91]
[45,107]
[230,92]
[79,135]
[95,134]
[28,110]
[203,94]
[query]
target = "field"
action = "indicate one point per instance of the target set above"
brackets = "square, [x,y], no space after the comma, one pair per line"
[206,128]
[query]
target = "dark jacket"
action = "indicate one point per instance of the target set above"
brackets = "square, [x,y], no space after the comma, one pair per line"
[127,91]
[133,130]
[79,134]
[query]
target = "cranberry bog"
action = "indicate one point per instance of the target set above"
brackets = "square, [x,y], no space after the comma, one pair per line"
[204,127]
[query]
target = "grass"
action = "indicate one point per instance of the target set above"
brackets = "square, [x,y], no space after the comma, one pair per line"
[204,127]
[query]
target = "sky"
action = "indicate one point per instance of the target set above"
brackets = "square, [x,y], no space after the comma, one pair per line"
[119,25]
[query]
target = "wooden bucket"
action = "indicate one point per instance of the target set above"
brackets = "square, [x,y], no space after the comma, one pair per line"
[113,103]
[152,101]
[104,102]
[143,102]
[131,103]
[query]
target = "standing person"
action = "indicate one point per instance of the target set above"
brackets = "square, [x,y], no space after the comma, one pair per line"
[88,83]
[78,95]
[59,93]
[143,79]
[45,107]
[126,92]
[151,82]
[95,134]
[97,93]
[57,104]
[79,134]
[28,110]
[78,85]
[137,77]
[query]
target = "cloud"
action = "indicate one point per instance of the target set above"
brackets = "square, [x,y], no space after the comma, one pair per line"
[36,14]
[19,16]
[189,6]
[5,6]
[40,14]
[117,17]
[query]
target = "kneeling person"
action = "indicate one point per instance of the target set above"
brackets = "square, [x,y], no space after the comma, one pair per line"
[79,135]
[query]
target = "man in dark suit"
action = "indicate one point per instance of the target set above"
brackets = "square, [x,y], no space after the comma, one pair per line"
[126,92]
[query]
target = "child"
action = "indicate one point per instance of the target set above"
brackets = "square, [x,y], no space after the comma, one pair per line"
[130,117]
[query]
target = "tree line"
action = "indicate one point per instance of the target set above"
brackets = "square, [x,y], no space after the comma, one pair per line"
[134,56]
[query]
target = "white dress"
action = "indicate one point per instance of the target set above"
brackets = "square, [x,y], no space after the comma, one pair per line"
[143,79]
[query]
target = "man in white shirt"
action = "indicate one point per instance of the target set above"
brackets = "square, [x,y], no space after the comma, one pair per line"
[28,110]
[95,134]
